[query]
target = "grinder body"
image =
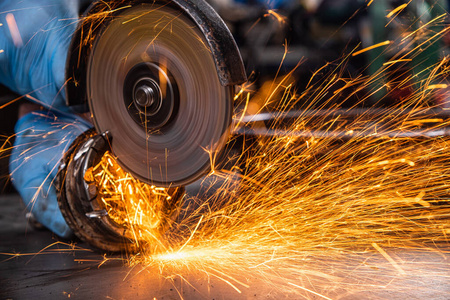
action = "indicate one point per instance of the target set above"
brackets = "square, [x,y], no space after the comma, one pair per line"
[158,79]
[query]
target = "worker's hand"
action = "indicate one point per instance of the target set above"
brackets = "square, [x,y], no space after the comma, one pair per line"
[34,42]
[42,138]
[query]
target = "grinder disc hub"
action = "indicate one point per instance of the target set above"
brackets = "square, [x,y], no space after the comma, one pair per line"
[145,95]
[150,96]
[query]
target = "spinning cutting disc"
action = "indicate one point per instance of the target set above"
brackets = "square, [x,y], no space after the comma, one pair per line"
[152,84]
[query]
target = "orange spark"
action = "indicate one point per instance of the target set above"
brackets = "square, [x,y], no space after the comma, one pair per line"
[280,18]
[372,47]
[390,259]
[396,61]
[397,9]
[437,86]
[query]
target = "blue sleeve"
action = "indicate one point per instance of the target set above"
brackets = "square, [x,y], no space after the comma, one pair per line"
[42,138]
[34,42]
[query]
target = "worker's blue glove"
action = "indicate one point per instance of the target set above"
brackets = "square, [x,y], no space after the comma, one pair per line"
[42,138]
[34,43]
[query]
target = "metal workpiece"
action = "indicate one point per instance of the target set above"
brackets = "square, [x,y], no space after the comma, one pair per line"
[371,123]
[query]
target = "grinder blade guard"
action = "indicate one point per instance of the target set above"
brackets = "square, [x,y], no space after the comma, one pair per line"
[159,78]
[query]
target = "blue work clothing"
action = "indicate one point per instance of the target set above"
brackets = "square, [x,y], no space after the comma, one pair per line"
[42,139]
[34,42]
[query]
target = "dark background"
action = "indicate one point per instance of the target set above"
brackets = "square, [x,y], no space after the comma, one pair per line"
[8,118]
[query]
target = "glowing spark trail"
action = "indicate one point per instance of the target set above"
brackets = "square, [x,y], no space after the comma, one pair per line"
[379,249]
[398,9]
[385,43]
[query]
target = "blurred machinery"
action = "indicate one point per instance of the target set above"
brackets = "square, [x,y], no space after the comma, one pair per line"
[323,32]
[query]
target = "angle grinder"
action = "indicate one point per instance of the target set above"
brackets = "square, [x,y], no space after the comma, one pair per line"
[158,79]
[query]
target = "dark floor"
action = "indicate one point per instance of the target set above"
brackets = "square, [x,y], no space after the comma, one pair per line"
[61,272]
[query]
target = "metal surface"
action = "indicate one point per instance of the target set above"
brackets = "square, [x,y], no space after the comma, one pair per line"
[369,132]
[352,113]
[76,272]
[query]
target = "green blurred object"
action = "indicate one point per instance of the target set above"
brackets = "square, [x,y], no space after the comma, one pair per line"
[428,40]
[377,56]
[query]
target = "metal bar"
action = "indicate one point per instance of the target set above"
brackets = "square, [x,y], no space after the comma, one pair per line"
[346,113]
[374,126]
[342,134]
